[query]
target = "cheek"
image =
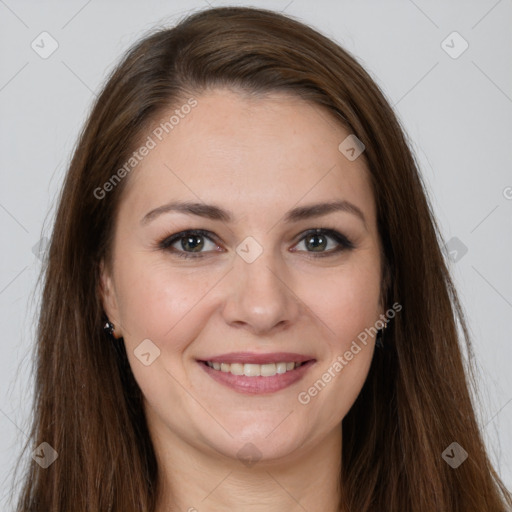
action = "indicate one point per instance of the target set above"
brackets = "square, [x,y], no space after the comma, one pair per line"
[349,309]
[346,301]
[157,301]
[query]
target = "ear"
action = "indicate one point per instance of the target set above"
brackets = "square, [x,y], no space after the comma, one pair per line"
[108,297]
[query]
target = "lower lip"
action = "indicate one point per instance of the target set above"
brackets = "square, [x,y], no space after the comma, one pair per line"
[258,385]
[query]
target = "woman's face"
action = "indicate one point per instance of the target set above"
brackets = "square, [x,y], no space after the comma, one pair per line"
[257,287]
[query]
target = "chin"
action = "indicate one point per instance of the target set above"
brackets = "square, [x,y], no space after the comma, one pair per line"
[260,448]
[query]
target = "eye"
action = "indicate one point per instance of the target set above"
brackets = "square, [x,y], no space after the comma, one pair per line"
[192,240]
[318,241]
[190,244]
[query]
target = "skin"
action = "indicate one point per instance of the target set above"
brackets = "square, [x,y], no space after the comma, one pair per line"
[258,157]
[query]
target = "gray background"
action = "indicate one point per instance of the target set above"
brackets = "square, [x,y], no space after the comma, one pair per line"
[456,111]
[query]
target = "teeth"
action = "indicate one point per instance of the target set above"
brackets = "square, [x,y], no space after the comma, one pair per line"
[282,367]
[254,370]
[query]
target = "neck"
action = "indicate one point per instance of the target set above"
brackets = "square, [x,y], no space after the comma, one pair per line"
[194,481]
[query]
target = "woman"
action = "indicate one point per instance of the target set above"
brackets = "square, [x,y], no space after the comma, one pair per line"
[245,305]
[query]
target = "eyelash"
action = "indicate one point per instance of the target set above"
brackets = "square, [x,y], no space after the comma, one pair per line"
[166,243]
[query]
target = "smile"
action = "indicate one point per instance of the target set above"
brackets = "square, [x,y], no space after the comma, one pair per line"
[254,370]
[251,378]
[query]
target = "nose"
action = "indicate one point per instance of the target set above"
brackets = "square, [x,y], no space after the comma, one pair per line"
[260,298]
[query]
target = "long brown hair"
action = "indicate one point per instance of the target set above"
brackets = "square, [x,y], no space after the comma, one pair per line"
[417,397]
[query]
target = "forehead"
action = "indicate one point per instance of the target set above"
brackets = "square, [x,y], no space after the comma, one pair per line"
[264,153]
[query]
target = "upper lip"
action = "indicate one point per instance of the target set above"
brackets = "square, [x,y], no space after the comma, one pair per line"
[254,358]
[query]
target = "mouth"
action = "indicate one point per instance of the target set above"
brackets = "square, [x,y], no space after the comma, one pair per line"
[254,370]
[257,378]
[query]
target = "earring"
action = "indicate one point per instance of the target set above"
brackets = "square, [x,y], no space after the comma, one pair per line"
[378,341]
[109,329]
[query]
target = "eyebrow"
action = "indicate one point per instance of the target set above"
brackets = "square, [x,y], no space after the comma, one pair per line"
[210,211]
